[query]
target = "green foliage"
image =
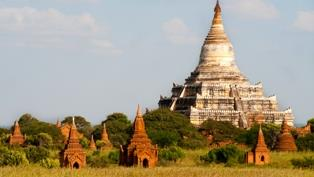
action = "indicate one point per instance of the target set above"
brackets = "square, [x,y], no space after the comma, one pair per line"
[170,154]
[165,138]
[311,121]
[167,128]
[84,142]
[10,157]
[270,131]
[119,129]
[49,163]
[36,154]
[31,126]
[97,160]
[4,131]
[306,143]
[44,139]
[306,162]
[220,130]
[82,125]
[229,155]
[113,157]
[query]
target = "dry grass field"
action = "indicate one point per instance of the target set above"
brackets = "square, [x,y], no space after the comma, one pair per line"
[190,166]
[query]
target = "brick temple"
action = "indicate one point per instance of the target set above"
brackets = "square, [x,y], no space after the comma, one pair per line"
[217,89]
[73,155]
[140,151]
[260,153]
[285,140]
[16,138]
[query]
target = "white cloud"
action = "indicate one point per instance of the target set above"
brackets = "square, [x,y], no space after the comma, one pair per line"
[305,21]
[29,27]
[177,32]
[253,9]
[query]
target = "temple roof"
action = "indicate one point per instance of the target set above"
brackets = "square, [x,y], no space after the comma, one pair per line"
[260,144]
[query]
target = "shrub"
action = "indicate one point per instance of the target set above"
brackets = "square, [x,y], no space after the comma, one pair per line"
[113,156]
[306,162]
[49,163]
[97,160]
[229,155]
[12,157]
[171,154]
[36,154]
[306,143]
[84,142]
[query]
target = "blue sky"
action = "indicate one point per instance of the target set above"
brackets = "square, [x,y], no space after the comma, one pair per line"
[96,57]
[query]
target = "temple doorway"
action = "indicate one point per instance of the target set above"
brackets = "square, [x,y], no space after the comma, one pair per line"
[262,158]
[76,165]
[145,163]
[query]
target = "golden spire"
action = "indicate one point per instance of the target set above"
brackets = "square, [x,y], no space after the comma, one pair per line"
[216,33]
[104,134]
[92,144]
[139,125]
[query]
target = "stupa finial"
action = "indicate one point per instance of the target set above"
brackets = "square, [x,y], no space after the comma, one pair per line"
[138,111]
[73,122]
[217,7]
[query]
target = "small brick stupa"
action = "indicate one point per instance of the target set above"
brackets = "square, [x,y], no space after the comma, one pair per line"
[140,151]
[260,153]
[285,140]
[105,139]
[16,138]
[58,124]
[73,155]
[92,144]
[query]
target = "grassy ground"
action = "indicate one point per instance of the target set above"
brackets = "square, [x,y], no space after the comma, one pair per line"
[190,166]
[213,171]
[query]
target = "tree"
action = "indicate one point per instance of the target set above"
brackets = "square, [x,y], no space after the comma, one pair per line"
[306,143]
[221,130]
[311,121]
[270,131]
[167,128]
[119,129]
[32,126]
[82,125]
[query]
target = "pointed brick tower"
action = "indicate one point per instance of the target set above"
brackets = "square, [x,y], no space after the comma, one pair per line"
[73,155]
[140,151]
[92,144]
[260,153]
[105,139]
[16,137]
[217,89]
[58,124]
[285,140]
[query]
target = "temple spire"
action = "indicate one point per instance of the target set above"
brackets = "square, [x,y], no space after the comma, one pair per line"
[260,139]
[139,125]
[138,111]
